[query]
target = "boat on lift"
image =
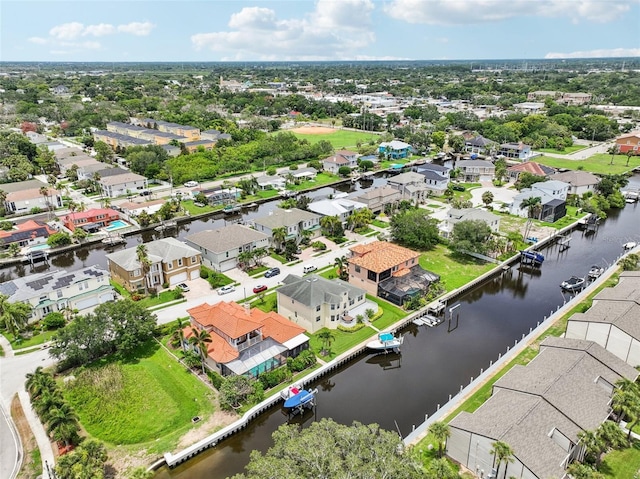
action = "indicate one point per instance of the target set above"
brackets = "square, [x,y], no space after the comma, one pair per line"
[386,342]
[531,258]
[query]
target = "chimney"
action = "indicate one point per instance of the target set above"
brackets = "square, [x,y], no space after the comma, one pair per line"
[247,308]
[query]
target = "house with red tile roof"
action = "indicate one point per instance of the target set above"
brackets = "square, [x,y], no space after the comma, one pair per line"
[245,341]
[530,167]
[90,220]
[389,271]
[31,232]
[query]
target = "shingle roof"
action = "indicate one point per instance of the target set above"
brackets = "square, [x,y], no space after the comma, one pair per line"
[226,238]
[378,193]
[23,289]
[282,217]
[22,186]
[335,207]
[406,178]
[313,290]
[166,249]
[127,177]
[627,289]
[577,178]
[380,256]
[623,314]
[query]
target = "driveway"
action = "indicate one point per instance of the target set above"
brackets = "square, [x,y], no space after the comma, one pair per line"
[500,195]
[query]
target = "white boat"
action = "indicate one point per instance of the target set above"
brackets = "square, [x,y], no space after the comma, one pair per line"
[630,245]
[595,271]
[385,342]
[574,283]
[113,240]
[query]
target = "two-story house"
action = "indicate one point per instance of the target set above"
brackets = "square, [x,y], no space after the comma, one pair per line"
[340,207]
[60,291]
[479,145]
[476,170]
[341,158]
[515,151]
[24,196]
[116,182]
[171,262]
[538,169]
[315,302]
[411,185]
[90,220]
[436,177]
[389,271]
[27,233]
[629,143]
[395,149]
[294,222]
[245,341]
[580,182]
[376,199]
[220,247]
[552,204]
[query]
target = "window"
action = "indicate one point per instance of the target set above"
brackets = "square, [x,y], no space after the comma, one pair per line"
[360,298]
[357,269]
[318,308]
[179,261]
[333,306]
[82,285]
[136,272]
[170,265]
[59,293]
[333,317]
[194,260]
[317,318]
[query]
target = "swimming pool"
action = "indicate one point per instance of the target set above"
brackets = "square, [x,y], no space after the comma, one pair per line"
[39,247]
[117,225]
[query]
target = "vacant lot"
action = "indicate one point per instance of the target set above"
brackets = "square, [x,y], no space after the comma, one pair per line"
[135,401]
[339,139]
[454,270]
[600,163]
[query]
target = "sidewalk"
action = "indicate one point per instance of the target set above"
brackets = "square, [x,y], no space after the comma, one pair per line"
[6,347]
[44,444]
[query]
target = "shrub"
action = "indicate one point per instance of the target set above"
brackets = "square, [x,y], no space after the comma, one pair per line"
[6,225]
[302,361]
[351,329]
[216,379]
[318,246]
[53,320]
[293,167]
[204,272]
[165,285]
[35,210]
[272,171]
[359,318]
[273,378]
[370,313]
[59,239]
[344,171]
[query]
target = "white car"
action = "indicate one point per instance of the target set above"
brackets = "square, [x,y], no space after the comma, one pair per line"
[183,287]
[227,289]
[191,184]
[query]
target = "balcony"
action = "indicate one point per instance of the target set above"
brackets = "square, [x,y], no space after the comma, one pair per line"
[247,343]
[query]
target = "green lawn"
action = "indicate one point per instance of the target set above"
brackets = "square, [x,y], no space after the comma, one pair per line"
[599,163]
[161,298]
[343,342]
[278,257]
[391,314]
[340,139]
[20,343]
[268,303]
[454,270]
[622,464]
[571,217]
[198,210]
[321,179]
[139,400]
[380,224]
[567,151]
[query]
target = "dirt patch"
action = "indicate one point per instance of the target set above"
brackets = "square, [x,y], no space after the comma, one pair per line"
[31,465]
[314,130]
[215,422]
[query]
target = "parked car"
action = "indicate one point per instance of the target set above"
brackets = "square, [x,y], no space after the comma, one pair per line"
[309,268]
[272,272]
[227,289]
[183,287]
[145,193]
[260,288]
[191,184]
[458,187]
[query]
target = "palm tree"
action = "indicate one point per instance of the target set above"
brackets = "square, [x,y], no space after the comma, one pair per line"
[626,402]
[342,265]
[199,339]
[593,445]
[611,435]
[145,264]
[533,204]
[106,202]
[3,199]
[487,198]
[38,382]
[326,337]
[178,335]
[331,226]
[15,316]
[47,402]
[62,424]
[502,453]
[44,191]
[279,235]
[441,433]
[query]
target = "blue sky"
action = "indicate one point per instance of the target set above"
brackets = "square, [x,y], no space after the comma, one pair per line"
[269,30]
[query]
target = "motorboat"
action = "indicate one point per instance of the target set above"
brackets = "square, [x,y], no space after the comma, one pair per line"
[230,209]
[574,283]
[297,399]
[629,245]
[531,258]
[595,271]
[113,240]
[386,342]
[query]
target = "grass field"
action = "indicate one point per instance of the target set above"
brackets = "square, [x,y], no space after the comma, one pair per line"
[622,464]
[599,163]
[321,179]
[454,270]
[567,151]
[137,401]
[340,139]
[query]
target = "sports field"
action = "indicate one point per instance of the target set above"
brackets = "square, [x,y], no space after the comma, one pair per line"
[339,139]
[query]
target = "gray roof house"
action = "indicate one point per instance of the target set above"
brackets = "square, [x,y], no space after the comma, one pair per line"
[476,170]
[579,181]
[467,214]
[294,221]
[539,409]
[340,207]
[220,247]
[315,302]
[411,185]
[58,290]
[377,198]
[612,320]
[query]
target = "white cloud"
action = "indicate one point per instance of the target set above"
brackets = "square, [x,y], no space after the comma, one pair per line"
[462,12]
[99,30]
[140,29]
[600,53]
[90,45]
[67,31]
[334,30]
[38,40]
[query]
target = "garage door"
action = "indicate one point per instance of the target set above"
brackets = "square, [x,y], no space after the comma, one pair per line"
[104,298]
[195,274]
[178,278]
[86,303]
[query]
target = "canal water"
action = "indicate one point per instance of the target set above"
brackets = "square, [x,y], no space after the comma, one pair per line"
[397,391]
